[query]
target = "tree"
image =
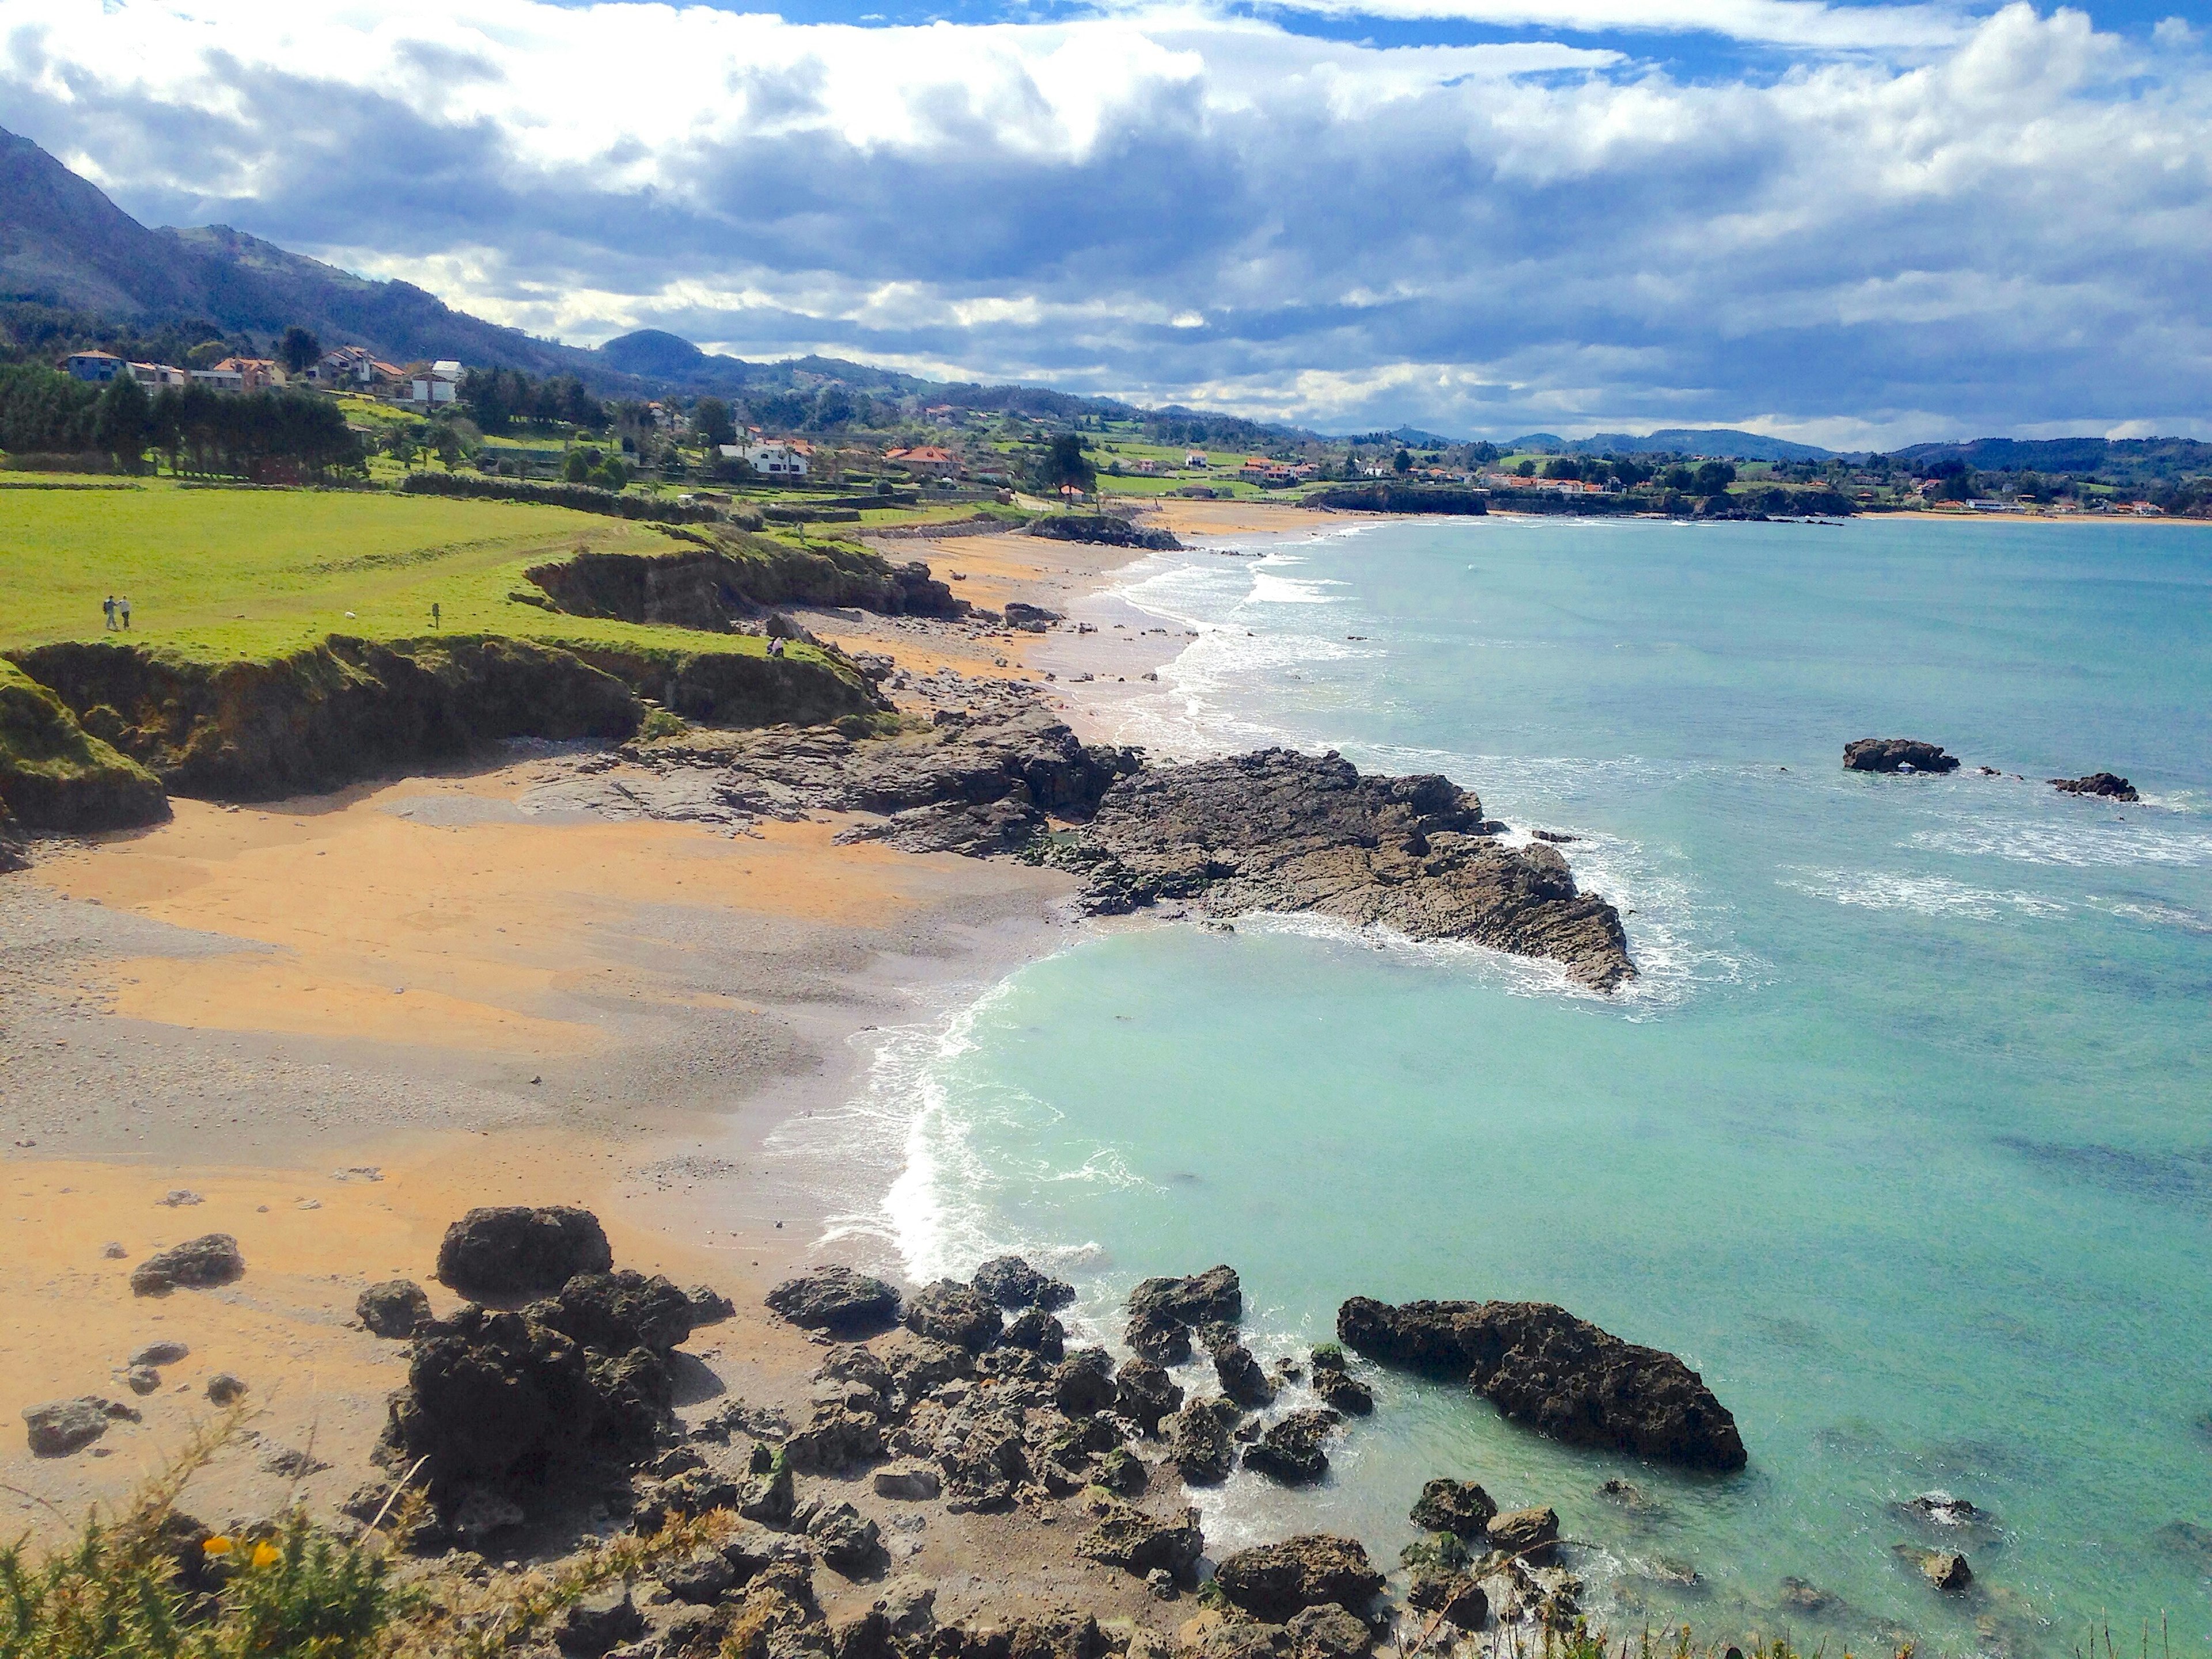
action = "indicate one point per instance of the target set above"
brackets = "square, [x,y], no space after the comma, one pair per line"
[1402,462]
[1563,466]
[300,351]
[120,419]
[1713,478]
[1064,463]
[576,469]
[1524,469]
[710,419]
[449,445]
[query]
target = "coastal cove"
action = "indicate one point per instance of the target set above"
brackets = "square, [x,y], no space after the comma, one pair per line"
[1901,1136]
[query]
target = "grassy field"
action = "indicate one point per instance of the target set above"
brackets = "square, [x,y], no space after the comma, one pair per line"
[221,573]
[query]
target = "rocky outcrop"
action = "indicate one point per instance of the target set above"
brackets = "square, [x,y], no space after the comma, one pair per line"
[1104,528]
[1215,1294]
[1897,755]
[1528,1534]
[55,775]
[1947,1569]
[1339,1390]
[731,575]
[1560,1376]
[956,1313]
[1197,1445]
[1277,830]
[516,1250]
[1144,1393]
[1275,1580]
[2106,785]
[199,1264]
[836,1299]
[1387,497]
[620,1310]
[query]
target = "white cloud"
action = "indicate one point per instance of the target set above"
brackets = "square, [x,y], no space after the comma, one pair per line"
[1990,224]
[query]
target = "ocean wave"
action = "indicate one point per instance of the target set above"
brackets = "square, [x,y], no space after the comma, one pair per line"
[1926,895]
[2079,846]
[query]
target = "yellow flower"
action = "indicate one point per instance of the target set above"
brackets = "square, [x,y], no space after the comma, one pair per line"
[216,1546]
[264,1554]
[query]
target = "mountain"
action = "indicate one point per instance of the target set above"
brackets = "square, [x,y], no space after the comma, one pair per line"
[62,241]
[1720,443]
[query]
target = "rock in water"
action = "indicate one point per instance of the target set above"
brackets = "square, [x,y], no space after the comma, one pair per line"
[1456,1595]
[1290,1449]
[1197,1445]
[952,1312]
[1458,1507]
[1275,1580]
[1897,755]
[836,1299]
[1158,1338]
[2103,784]
[396,1308]
[1012,1283]
[1338,1389]
[1560,1376]
[1214,1294]
[1281,831]
[1240,1375]
[200,1263]
[515,1250]
[1144,1393]
[1528,1534]
[1947,1569]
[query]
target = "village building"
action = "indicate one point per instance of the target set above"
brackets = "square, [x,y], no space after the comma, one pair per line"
[925,460]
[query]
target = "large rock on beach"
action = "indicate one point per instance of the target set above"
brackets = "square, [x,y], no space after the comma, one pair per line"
[1280,831]
[396,1308]
[1274,1581]
[1290,1452]
[1561,1375]
[200,1263]
[1125,1537]
[1145,1393]
[952,1312]
[620,1310]
[62,1426]
[516,1250]
[1214,1294]
[1197,1445]
[1528,1534]
[836,1299]
[1897,755]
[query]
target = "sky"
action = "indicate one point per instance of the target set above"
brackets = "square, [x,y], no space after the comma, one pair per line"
[1856,225]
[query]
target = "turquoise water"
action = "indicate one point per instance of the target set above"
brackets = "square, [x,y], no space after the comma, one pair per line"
[1904,1140]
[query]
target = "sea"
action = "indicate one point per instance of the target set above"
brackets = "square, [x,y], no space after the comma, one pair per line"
[1903,1137]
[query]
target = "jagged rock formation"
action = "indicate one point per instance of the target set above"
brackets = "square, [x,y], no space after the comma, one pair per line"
[515,1250]
[2105,784]
[1283,831]
[736,577]
[1897,755]
[1105,528]
[1561,1375]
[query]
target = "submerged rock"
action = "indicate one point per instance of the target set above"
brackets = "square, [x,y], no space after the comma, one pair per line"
[1338,1388]
[515,1250]
[1558,1375]
[1897,755]
[1947,1569]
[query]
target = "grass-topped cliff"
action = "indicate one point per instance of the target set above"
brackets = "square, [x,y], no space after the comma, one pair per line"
[289,640]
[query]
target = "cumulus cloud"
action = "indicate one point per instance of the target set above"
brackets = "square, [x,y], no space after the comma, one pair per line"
[1986,225]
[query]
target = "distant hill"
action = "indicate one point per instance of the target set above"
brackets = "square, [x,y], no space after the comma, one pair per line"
[2122,461]
[1721,443]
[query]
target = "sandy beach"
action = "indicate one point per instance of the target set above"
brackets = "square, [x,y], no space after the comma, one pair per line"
[329,1026]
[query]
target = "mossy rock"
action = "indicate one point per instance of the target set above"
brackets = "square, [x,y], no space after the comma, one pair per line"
[54,774]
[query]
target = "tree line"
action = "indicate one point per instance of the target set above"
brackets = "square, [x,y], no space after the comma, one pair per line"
[259,435]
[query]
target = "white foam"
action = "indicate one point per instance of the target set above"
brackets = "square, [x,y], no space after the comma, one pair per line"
[1926,895]
[2079,846]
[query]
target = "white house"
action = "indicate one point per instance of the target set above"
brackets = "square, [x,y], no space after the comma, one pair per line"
[770,460]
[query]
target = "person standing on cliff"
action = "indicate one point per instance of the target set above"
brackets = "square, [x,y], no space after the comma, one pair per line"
[123,610]
[437,617]
[108,609]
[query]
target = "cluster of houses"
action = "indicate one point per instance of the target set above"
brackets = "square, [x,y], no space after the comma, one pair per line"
[350,369]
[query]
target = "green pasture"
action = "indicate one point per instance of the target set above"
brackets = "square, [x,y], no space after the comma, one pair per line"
[230,573]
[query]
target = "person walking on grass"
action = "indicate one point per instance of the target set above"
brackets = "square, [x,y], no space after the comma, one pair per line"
[108,609]
[122,609]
